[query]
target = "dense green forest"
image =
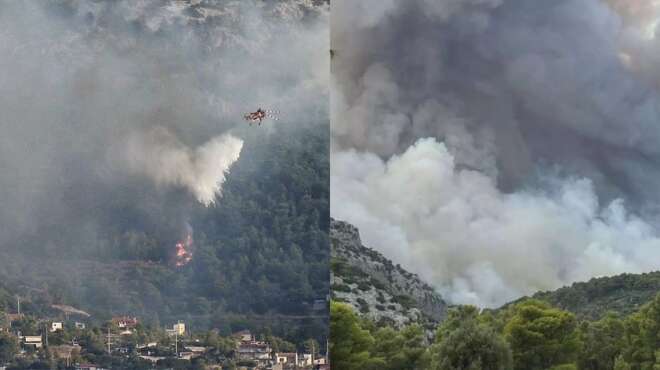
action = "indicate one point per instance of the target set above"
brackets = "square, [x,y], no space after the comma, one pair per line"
[623,294]
[260,254]
[528,335]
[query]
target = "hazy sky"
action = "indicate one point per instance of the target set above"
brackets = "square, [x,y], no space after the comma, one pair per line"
[119,108]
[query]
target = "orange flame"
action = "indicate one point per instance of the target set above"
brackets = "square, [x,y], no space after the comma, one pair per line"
[183,252]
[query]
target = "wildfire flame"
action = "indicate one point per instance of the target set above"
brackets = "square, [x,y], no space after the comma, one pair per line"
[183,252]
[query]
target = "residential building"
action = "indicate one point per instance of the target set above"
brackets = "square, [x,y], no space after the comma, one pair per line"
[32,340]
[153,359]
[125,322]
[187,355]
[88,367]
[305,360]
[257,351]
[321,361]
[286,358]
[11,317]
[244,336]
[145,346]
[56,325]
[198,350]
[178,329]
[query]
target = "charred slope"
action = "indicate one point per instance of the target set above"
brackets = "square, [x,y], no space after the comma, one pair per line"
[374,286]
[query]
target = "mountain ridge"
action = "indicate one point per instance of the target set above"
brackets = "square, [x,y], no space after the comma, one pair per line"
[359,273]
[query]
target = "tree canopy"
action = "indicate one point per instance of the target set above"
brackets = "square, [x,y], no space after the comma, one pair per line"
[529,334]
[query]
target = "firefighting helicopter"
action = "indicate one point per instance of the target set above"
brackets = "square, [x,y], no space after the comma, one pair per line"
[259,115]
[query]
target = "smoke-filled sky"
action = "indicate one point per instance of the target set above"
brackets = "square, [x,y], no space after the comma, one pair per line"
[111,109]
[499,147]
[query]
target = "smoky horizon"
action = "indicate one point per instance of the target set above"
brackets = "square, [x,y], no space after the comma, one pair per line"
[502,147]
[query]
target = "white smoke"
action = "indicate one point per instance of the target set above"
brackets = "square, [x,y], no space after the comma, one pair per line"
[167,161]
[497,148]
[476,244]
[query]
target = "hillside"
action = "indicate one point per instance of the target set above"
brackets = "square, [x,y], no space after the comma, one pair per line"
[623,294]
[380,290]
[374,286]
[259,255]
[131,106]
[363,280]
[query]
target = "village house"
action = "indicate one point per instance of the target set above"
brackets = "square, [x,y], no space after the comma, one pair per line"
[125,322]
[195,350]
[11,317]
[88,367]
[31,341]
[320,361]
[80,325]
[145,346]
[148,351]
[124,350]
[286,358]
[244,336]
[249,349]
[305,360]
[178,329]
[153,359]
[56,325]
[187,355]
[294,360]
[254,350]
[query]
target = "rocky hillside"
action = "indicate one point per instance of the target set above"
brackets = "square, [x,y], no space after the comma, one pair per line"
[385,292]
[380,290]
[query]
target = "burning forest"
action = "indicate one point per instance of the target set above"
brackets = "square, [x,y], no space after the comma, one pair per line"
[183,251]
[113,140]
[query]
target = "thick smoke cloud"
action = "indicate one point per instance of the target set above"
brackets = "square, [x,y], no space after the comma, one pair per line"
[129,112]
[499,147]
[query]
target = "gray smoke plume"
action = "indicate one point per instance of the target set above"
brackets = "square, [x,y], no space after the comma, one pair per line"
[499,147]
[159,155]
[117,111]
